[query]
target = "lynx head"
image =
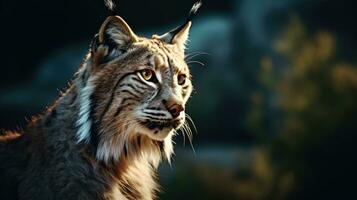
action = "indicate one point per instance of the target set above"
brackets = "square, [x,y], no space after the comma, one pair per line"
[133,90]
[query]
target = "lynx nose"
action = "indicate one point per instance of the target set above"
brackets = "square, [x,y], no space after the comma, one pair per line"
[173,107]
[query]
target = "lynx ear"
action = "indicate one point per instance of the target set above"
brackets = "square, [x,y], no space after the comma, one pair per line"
[114,37]
[179,35]
[116,30]
[181,38]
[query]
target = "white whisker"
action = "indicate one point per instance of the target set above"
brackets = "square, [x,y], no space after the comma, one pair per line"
[190,137]
[194,54]
[191,120]
[195,61]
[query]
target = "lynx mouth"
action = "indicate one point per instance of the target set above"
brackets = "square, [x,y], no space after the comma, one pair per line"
[160,125]
[159,129]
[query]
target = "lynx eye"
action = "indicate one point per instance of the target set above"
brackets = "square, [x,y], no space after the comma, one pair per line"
[181,79]
[147,74]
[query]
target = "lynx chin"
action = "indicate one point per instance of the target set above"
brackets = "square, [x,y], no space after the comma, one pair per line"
[104,138]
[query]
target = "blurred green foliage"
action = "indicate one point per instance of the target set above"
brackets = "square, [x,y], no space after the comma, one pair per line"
[314,98]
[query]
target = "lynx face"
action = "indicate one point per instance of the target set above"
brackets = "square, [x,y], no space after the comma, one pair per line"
[133,86]
[151,89]
[161,108]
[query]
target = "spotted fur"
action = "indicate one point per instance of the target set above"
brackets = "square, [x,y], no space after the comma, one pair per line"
[106,135]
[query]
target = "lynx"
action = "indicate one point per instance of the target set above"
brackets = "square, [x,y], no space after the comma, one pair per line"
[106,135]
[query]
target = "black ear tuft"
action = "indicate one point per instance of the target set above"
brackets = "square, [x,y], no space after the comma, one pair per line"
[110,6]
[194,10]
[169,36]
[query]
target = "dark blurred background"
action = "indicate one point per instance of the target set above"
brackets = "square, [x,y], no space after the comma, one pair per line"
[275,104]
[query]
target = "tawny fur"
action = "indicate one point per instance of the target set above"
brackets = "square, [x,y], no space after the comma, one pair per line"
[95,141]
